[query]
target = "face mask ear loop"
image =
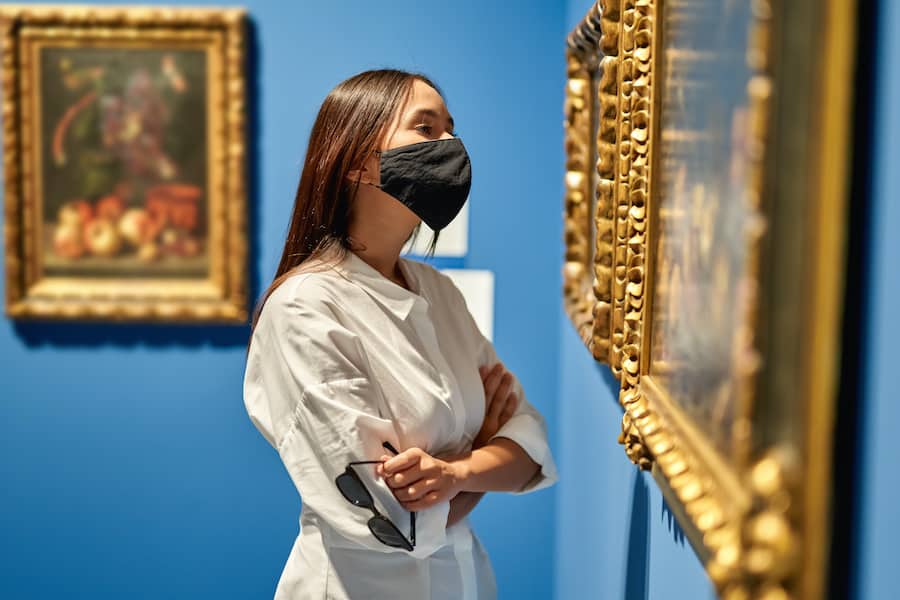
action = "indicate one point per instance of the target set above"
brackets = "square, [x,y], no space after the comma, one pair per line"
[378,185]
[360,182]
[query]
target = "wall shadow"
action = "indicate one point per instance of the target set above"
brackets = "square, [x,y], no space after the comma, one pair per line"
[668,517]
[848,445]
[611,381]
[254,159]
[637,565]
[45,332]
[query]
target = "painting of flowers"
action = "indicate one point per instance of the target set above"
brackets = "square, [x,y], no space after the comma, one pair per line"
[125,163]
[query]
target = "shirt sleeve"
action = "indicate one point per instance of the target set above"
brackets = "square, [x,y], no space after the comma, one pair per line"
[307,389]
[527,427]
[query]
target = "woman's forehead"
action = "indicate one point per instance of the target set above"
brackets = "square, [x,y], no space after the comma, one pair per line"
[425,98]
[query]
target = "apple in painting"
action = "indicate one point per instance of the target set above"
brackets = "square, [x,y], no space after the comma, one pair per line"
[138,226]
[67,241]
[102,237]
[75,212]
[110,207]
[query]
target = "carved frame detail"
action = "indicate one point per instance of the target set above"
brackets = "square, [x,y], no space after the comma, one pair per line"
[589,108]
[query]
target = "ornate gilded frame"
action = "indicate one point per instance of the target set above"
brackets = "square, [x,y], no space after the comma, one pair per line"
[759,520]
[589,125]
[221,297]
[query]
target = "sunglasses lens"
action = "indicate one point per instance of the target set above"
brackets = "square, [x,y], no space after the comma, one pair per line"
[354,490]
[388,534]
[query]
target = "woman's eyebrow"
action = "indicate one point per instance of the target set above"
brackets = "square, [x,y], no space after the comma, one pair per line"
[432,113]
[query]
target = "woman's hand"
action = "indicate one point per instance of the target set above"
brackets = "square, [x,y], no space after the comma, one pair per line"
[419,480]
[500,402]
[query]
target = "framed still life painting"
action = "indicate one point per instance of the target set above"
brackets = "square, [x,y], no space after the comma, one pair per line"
[124,163]
[708,150]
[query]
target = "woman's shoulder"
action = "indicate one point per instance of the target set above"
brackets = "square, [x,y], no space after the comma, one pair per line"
[312,293]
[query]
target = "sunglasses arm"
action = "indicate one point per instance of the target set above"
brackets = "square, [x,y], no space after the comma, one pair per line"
[412,515]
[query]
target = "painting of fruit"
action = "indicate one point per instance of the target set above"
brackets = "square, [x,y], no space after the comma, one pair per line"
[124,162]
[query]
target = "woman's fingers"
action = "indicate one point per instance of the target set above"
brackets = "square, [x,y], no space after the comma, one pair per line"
[485,370]
[406,478]
[417,490]
[423,484]
[504,387]
[492,381]
[498,403]
[511,403]
[406,459]
[427,501]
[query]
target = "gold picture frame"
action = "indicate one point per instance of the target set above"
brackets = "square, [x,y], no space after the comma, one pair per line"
[722,186]
[125,163]
[588,220]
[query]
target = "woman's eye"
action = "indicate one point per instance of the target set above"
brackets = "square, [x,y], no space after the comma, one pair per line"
[424,128]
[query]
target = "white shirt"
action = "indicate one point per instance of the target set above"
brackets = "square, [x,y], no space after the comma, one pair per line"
[343,359]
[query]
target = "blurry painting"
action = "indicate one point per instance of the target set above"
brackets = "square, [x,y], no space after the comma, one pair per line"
[125,186]
[124,154]
[699,304]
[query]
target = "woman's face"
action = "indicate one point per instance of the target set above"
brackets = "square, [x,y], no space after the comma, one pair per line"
[424,118]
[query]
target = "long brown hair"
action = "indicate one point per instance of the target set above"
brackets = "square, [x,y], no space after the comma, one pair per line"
[351,124]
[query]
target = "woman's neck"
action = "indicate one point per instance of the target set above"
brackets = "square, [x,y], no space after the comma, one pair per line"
[391,271]
[379,228]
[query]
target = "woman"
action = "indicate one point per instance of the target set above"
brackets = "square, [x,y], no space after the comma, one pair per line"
[356,350]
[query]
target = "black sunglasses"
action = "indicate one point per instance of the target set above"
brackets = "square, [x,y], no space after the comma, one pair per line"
[353,489]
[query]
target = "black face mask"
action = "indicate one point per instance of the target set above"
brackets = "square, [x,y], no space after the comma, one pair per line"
[431,178]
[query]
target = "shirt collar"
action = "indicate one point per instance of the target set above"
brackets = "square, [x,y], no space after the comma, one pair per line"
[392,296]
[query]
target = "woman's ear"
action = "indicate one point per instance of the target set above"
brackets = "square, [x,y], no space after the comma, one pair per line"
[359,175]
[367,173]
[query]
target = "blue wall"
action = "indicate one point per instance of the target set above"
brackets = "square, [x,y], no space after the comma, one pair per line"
[615,536]
[129,467]
[879,516]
